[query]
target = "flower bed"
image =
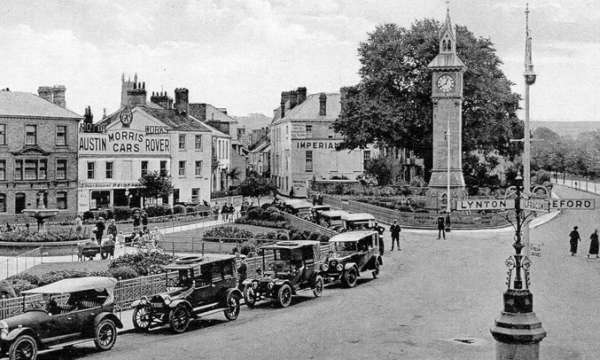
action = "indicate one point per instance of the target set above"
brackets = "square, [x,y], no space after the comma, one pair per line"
[55,234]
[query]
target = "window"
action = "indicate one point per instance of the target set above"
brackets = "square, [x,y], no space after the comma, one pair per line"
[61,135]
[198,168]
[109,169]
[175,196]
[308,130]
[181,141]
[366,157]
[145,168]
[2,203]
[198,143]
[20,200]
[2,134]
[91,167]
[42,166]
[2,170]
[61,169]
[163,168]
[30,134]
[309,161]
[61,200]
[195,195]
[30,169]
[182,168]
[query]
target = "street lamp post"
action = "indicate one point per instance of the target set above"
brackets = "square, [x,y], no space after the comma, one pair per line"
[448,195]
[518,331]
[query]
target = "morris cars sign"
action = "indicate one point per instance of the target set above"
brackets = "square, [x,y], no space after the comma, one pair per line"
[123,141]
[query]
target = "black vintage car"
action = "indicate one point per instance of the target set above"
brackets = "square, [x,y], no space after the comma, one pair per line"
[203,286]
[72,311]
[295,267]
[351,253]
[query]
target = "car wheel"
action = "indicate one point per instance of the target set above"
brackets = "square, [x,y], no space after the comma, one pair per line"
[141,318]
[24,348]
[179,319]
[249,296]
[349,278]
[233,306]
[106,335]
[318,289]
[284,295]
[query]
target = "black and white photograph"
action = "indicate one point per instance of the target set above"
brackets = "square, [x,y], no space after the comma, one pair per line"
[299,179]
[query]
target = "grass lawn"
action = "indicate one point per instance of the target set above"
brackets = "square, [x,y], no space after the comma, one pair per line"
[86,266]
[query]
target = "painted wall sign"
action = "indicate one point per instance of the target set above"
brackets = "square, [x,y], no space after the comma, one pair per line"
[123,141]
[152,130]
[316,145]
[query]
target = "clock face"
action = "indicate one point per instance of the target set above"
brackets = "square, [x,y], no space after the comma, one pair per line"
[445,83]
[126,117]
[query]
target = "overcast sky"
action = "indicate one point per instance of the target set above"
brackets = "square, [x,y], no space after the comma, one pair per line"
[241,54]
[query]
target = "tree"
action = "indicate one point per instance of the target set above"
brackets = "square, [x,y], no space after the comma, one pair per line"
[154,185]
[392,104]
[385,170]
[256,186]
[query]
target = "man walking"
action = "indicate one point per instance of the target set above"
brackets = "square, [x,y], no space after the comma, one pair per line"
[100,229]
[441,227]
[575,239]
[395,231]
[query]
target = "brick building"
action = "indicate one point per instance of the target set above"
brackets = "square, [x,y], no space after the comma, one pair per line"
[38,152]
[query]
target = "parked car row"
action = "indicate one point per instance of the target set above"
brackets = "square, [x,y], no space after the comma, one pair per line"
[82,309]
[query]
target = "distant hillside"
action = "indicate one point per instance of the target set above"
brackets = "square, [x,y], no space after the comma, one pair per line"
[568,128]
[253,121]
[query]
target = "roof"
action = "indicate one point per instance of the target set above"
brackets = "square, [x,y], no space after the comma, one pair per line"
[14,103]
[215,131]
[309,109]
[351,236]
[188,262]
[169,117]
[319,207]
[358,217]
[263,145]
[333,213]
[299,204]
[74,285]
[291,244]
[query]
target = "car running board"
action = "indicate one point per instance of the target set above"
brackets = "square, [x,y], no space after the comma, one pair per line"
[210,312]
[64,345]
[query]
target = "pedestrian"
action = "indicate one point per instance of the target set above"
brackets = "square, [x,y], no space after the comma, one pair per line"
[112,229]
[574,240]
[441,227]
[224,211]
[594,244]
[242,273]
[78,227]
[144,221]
[395,231]
[136,221]
[8,228]
[100,229]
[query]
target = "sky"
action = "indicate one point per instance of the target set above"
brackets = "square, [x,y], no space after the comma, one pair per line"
[240,54]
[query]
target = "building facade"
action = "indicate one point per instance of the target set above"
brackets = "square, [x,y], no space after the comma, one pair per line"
[138,139]
[304,144]
[38,152]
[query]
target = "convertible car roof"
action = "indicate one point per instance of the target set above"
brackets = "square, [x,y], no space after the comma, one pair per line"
[351,236]
[291,244]
[74,285]
[189,262]
[358,217]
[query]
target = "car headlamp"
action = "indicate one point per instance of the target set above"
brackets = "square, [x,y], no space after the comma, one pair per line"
[167,300]
[144,300]
[271,285]
[324,267]
[339,267]
[3,328]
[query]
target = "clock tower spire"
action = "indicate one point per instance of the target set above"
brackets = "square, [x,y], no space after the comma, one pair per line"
[447,93]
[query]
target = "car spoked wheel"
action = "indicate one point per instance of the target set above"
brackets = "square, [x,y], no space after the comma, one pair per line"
[284,295]
[141,318]
[106,335]
[233,307]
[318,289]
[249,296]
[24,348]
[350,277]
[179,319]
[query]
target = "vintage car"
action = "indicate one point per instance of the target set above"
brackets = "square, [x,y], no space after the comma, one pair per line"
[331,218]
[203,286]
[300,208]
[352,252]
[360,221]
[295,267]
[70,312]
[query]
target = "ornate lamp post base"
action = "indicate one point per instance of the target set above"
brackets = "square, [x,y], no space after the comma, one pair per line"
[518,331]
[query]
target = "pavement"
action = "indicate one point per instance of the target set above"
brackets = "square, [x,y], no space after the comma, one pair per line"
[435,299]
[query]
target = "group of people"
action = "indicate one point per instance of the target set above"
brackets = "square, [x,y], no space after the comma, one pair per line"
[575,239]
[228,212]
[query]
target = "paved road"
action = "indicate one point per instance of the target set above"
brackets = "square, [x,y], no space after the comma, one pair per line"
[434,300]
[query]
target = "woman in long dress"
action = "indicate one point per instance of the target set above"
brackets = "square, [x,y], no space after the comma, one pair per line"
[594,244]
[574,240]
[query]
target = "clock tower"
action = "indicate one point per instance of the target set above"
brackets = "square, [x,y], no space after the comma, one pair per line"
[447,94]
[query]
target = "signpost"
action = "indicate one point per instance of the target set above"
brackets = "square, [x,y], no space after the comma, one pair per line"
[526,204]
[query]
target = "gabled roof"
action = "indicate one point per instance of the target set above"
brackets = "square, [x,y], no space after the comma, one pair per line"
[14,103]
[261,146]
[309,109]
[169,117]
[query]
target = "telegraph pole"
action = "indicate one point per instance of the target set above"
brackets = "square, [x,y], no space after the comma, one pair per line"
[530,77]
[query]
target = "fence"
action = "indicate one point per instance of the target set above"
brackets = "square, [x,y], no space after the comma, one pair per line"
[307,225]
[576,182]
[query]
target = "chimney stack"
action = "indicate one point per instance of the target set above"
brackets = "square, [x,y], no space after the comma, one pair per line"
[322,104]
[293,99]
[136,96]
[300,95]
[59,95]
[162,99]
[45,92]
[88,118]
[182,100]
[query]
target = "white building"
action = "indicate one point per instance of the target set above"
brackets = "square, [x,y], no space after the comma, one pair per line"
[305,145]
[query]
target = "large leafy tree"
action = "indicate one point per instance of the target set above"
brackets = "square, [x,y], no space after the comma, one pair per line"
[154,185]
[256,186]
[392,106]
